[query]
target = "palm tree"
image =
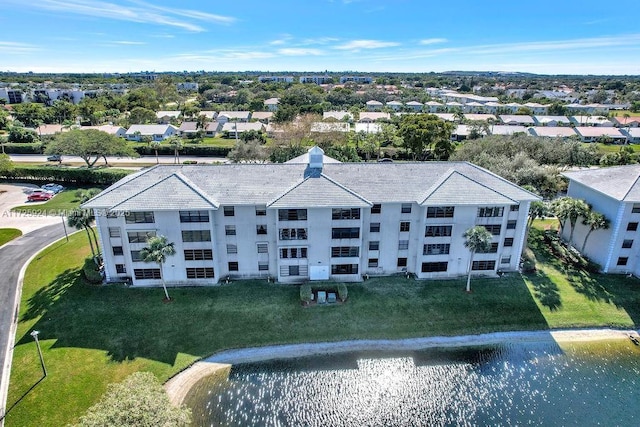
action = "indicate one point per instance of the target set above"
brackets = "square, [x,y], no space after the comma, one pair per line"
[537,209]
[595,221]
[576,208]
[155,145]
[83,218]
[157,250]
[478,239]
[176,144]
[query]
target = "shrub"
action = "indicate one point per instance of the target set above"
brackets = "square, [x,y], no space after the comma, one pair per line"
[80,176]
[528,261]
[190,162]
[186,150]
[91,271]
[23,148]
[342,291]
[306,294]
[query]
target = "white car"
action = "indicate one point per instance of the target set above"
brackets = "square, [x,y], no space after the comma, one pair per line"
[55,188]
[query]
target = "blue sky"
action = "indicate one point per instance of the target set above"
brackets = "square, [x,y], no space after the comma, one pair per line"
[547,37]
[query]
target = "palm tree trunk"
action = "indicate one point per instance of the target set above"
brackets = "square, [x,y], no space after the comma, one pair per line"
[95,239]
[164,286]
[469,275]
[93,252]
[157,160]
[584,244]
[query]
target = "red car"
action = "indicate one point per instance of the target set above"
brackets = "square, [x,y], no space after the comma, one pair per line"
[39,195]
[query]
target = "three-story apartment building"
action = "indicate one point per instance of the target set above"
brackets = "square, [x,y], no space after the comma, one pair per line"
[316,220]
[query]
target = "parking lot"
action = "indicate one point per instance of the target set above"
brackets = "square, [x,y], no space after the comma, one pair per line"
[12,195]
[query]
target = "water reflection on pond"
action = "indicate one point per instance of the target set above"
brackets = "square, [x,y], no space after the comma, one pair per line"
[528,383]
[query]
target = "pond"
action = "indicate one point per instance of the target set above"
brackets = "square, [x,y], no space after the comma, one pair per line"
[532,383]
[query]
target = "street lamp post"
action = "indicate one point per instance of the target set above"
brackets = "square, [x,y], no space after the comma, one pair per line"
[34,334]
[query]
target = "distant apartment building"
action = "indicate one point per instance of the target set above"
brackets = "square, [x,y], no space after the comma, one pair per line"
[275,79]
[356,79]
[188,86]
[11,96]
[319,80]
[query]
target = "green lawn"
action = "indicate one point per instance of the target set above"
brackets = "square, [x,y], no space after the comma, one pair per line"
[63,201]
[93,335]
[8,234]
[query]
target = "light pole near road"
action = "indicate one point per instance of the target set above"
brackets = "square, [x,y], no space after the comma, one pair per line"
[34,334]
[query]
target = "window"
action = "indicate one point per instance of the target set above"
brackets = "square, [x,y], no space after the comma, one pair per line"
[402,262]
[406,208]
[374,246]
[493,229]
[121,269]
[626,244]
[200,273]
[494,211]
[344,251]
[117,250]
[263,265]
[514,208]
[433,267]
[229,211]
[508,241]
[511,224]
[344,269]
[294,270]
[505,260]
[260,211]
[292,214]
[233,266]
[114,232]
[403,245]
[345,233]
[374,227]
[372,263]
[293,253]
[263,248]
[261,229]
[140,236]
[436,249]
[622,260]
[230,230]
[632,226]
[492,249]
[196,236]
[345,213]
[440,212]
[232,249]
[198,254]
[438,231]
[146,273]
[135,256]
[635,208]
[405,226]
[194,216]
[376,208]
[293,234]
[139,218]
[483,265]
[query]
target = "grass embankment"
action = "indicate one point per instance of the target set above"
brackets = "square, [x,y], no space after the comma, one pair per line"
[62,202]
[93,335]
[8,234]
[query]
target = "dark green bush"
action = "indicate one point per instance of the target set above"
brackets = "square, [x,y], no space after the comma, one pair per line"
[91,271]
[186,150]
[306,294]
[342,291]
[24,148]
[82,176]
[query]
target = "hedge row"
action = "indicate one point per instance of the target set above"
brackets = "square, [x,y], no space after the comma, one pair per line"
[81,176]
[186,150]
[32,148]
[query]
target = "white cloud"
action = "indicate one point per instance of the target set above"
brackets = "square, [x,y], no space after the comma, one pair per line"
[16,48]
[127,42]
[432,41]
[143,13]
[299,51]
[365,44]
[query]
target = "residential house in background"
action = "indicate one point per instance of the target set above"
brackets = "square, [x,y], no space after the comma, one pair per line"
[235,129]
[553,131]
[238,116]
[415,106]
[372,116]
[165,117]
[155,132]
[319,220]
[374,105]
[552,121]
[271,104]
[338,116]
[513,120]
[597,134]
[118,131]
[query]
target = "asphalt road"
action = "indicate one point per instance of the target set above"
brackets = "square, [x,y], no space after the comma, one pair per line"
[12,257]
[36,158]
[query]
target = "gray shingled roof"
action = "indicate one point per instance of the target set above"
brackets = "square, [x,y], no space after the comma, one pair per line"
[457,189]
[251,184]
[619,182]
[319,192]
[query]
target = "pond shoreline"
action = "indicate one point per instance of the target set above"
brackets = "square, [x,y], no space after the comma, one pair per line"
[178,386]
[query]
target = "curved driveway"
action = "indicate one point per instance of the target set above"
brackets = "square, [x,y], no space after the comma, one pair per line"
[13,256]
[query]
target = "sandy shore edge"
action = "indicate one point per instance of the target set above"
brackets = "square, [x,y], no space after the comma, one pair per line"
[179,386]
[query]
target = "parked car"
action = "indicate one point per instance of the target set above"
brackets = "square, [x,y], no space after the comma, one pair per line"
[54,158]
[40,195]
[55,188]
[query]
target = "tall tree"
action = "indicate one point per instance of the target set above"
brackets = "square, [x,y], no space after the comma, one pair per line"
[477,239]
[569,209]
[157,250]
[423,132]
[83,219]
[175,143]
[595,221]
[6,165]
[90,145]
